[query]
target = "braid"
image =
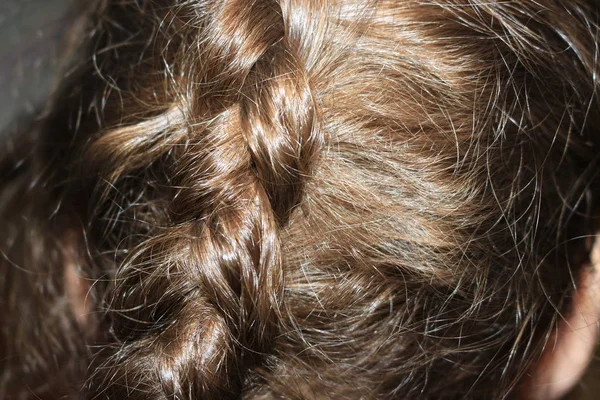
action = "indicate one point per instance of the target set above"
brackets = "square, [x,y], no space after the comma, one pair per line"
[305,199]
[196,301]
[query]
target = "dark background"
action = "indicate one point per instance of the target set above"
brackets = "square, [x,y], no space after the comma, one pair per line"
[32,39]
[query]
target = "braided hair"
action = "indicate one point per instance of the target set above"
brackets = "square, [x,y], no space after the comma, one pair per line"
[305,199]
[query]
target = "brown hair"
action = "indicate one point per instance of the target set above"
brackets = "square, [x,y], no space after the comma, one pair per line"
[302,199]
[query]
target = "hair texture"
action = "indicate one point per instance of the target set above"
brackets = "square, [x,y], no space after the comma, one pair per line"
[301,199]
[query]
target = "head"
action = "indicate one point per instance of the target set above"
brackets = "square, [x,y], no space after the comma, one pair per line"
[306,199]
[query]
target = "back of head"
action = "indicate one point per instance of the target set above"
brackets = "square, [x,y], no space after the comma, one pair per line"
[306,199]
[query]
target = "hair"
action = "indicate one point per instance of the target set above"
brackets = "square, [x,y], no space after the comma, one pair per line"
[301,199]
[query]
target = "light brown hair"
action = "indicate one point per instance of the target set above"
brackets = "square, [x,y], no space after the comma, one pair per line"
[304,199]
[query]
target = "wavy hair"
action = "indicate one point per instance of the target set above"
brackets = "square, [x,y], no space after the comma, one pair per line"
[301,199]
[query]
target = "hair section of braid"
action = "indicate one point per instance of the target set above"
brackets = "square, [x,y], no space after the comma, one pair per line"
[197,297]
